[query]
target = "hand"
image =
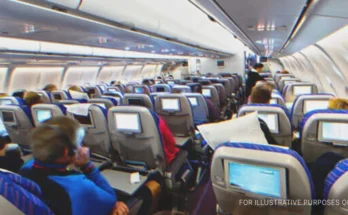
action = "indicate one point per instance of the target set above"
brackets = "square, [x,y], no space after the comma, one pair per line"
[82,157]
[120,209]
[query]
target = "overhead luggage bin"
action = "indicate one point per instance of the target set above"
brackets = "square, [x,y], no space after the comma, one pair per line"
[67,3]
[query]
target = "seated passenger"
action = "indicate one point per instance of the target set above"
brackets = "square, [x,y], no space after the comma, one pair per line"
[213,109]
[10,159]
[3,95]
[32,98]
[19,93]
[56,145]
[75,88]
[325,163]
[170,149]
[262,94]
[284,72]
[50,88]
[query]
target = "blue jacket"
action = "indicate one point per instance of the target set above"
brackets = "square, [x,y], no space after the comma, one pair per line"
[70,192]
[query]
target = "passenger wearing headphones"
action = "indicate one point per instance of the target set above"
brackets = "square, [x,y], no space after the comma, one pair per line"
[56,145]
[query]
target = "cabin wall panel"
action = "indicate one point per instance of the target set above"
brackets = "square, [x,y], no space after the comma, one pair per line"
[34,78]
[3,75]
[326,69]
[149,71]
[80,76]
[110,73]
[131,73]
[274,65]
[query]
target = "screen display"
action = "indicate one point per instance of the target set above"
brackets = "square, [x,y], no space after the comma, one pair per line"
[220,63]
[206,92]
[310,105]
[193,101]
[333,132]
[5,102]
[84,120]
[138,89]
[128,122]
[160,89]
[101,105]
[8,116]
[43,115]
[273,101]
[170,104]
[299,90]
[57,97]
[271,119]
[264,181]
[136,102]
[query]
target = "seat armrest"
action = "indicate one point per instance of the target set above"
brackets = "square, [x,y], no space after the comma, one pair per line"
[174,167]
[106,165]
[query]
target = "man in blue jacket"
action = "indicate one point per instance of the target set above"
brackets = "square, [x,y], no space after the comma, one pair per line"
[56,145]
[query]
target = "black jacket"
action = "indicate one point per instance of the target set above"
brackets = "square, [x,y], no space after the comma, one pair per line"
[268,135]
[253,77]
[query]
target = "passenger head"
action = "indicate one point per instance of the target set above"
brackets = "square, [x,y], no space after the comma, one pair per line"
[112,82]
[258,67]
[32,98]
[338,104]
[19,93]
[270,86]
[75,88]
[176,91]
[3,95]
[147,82]
[261,95]
[284,72]
[56,140]
[198,89]
[50,87]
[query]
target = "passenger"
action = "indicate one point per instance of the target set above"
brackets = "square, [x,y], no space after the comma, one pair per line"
[2,95]
[75,88]
[10,159]
[112,82]
[284,72]
[262,94]
[253,77]
[325,163]
[213,109]
[170,149]
[32,98]
[50,88]
[19,93]
[56,145]
[338,104]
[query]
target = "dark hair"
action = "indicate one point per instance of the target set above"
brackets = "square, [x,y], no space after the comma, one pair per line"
[50,87]
[19,93]
[261,95]
[258,66]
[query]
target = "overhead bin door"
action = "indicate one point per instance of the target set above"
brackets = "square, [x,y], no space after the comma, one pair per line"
[67,3]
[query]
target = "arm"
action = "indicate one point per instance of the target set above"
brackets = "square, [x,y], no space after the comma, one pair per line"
[267,133]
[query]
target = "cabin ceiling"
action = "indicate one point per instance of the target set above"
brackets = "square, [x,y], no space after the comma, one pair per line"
[246,18]
[23,20]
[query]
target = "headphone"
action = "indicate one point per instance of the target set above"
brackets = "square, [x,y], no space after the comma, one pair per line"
[64,138]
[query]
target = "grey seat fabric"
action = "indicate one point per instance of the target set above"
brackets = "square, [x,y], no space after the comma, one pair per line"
[290,94]
[300,106]
[181,88]
[136,139]
[222,93]
[18,123]
[58,95]
[284,137]
[104,102]
[46,111]
[162,88]
[312,146]
[232,84]
[97,136]
[214,94]
[284,81]
[67,102]
[137,100]
[112,89]
[279,100]
[44,96]
[11,100]
[199,107]
[233,200]
[179,121]
[227,86]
